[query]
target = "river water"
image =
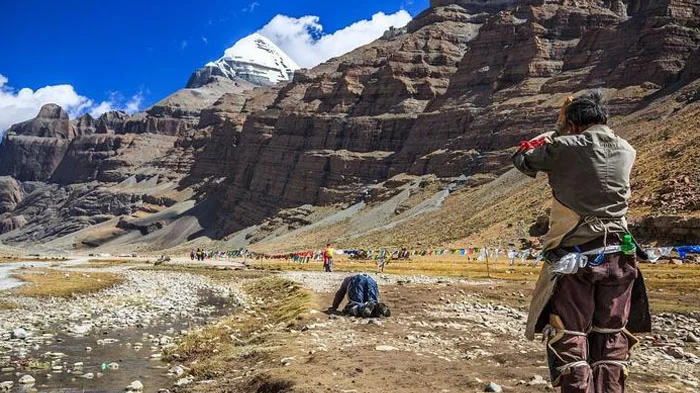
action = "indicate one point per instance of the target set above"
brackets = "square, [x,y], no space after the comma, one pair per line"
[6,279]
[130,348]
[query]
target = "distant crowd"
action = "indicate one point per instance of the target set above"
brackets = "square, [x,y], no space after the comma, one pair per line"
[384,256]
[201,255]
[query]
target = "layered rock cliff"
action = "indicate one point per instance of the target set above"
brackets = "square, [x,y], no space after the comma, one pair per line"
[449,96]
[418,125]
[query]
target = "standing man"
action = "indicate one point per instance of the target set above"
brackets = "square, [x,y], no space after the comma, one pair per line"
[590,296]
[383,259]
[328,258]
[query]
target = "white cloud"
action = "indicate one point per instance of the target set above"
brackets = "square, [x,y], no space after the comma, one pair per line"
[205,40]
[251,7]
[304,41]
[103,107]
[183,44]
[19,105]
[134,103]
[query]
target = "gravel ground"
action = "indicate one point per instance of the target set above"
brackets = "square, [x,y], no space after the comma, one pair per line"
[328,282]
[669,353]
[459,325]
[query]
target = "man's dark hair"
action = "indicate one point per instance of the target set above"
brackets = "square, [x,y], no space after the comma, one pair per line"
[588,109]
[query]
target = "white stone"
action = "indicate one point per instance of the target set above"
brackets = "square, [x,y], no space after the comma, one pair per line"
[184,381]
[27,380]
[177,370]
[20,333]
[81,329]
[135,386]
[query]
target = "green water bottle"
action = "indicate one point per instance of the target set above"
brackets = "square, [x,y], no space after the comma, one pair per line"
[628,246]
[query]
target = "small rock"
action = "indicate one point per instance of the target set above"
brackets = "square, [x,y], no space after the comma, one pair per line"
[6,386]
[88,376]
[27,380]
[385,348]
[177,370]
[493,387]
[537,380]
[135,386]
[676,352]
[81,329]
[691,338]
[20,333]
[692,384]
[184,381]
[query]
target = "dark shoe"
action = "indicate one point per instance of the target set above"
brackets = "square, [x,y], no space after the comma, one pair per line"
[369,309]
[383,310]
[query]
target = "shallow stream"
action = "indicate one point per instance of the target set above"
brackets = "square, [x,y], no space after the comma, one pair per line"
[52,355]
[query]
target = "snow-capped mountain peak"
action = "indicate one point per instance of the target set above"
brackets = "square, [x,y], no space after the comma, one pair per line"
[259,50]
[254,58]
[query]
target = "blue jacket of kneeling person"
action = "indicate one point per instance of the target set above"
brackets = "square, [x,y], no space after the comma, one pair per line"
[360,289]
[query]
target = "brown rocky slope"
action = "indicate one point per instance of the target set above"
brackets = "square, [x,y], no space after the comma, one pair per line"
[403,142]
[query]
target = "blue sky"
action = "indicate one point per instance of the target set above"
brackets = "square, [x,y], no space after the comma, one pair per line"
[125,51]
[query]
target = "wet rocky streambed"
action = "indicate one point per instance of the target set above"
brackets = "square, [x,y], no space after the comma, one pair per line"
[103,342]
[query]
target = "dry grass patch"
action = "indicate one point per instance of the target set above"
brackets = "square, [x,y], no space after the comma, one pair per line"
[673,288]
[15,259]
[213,272]
[107,262]
[55,283]
[446,266]
[8,305]
[277,303]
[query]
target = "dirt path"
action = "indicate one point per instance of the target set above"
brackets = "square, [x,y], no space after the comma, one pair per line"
[446,335]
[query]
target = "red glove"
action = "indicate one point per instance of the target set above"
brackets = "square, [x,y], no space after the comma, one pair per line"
[530,145]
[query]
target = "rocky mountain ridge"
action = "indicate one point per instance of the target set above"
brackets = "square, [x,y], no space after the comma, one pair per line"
[374,141]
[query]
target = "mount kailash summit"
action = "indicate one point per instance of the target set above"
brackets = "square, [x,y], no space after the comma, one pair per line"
[255,59]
